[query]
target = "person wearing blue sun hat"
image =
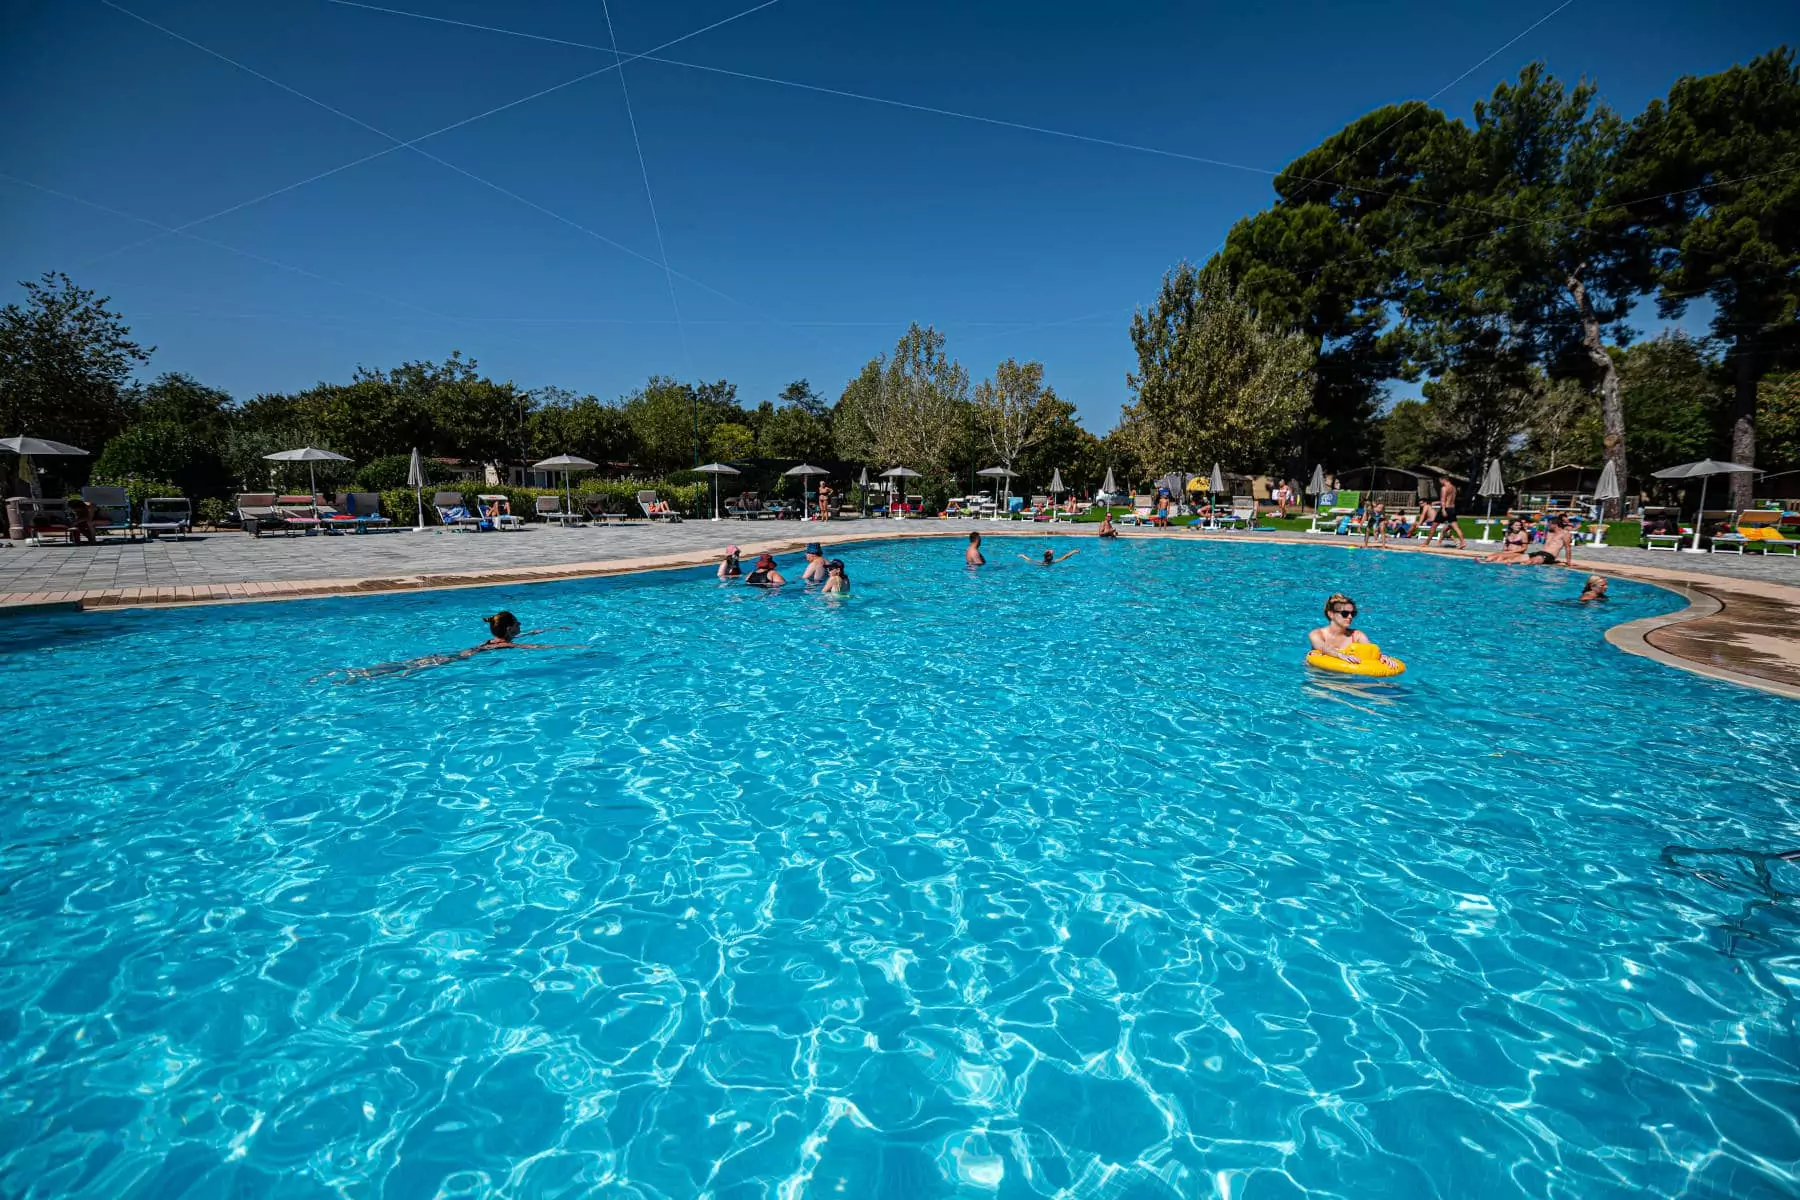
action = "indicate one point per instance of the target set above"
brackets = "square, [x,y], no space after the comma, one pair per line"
[815,563]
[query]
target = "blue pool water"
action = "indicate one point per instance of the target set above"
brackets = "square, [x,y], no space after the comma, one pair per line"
[1009,883]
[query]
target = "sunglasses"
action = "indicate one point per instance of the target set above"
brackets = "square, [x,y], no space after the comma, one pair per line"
[1344,612]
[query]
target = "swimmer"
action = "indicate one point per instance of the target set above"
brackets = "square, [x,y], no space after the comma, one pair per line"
[836,578]
[1050,559]
[973,556]
[815,563]
[1336,637]
[729,566]
[764,574]
[503,629]
[1594,589]
[1107,529]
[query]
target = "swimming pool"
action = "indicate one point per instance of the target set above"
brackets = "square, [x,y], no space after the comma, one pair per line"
[1011,882]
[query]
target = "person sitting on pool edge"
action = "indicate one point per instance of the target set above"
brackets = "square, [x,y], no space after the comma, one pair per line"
[1594,589]
[815,563]
[729,566]
[764,574]
[1558,542]
[973,556]
[1050,559]
[836,578]
[1336,637]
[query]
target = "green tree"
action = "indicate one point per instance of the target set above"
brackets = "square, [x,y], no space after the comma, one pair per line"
[672,422]
[911,410]
[1778,421]
[1216,382]
[1324,259]
[730,442]
[1677,402]
[794,431]
[1712,175]
[585,426]
[800,394]
[64,362]
[1529,262]
[1013,410]
[1406,433]
[1065,446]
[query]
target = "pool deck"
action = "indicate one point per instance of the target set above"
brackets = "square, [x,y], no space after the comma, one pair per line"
[1742,623]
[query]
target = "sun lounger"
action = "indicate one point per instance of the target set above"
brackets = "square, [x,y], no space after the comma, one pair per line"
[747,507]
[498,510]
[167,516]
[300,514]
[265,512]
[550,508]
[40,521]
[362,508]
[1331,520]
[1759,530]
[656,510]
[112,510]
[453,514]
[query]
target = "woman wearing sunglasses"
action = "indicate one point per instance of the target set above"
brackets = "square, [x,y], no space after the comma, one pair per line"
[1336,637]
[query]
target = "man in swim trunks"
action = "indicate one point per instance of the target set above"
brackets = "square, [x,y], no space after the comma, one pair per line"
[1336,637]
[1107,528]
[1557,543]
[1446,512]
[973,556]
[815,563]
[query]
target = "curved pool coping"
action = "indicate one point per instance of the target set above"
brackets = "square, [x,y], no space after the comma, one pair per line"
[1702,592]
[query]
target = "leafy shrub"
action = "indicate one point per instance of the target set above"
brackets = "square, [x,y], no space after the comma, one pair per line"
[138,488]
[213,511]
[389,471]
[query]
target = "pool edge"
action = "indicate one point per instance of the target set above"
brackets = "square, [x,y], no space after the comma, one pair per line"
[1630,637]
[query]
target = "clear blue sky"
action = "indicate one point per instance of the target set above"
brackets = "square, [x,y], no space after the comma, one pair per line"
[810,228]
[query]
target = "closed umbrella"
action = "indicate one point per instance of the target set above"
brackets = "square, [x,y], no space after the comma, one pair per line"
[27,447]
[415,479]
[1703,470]
[863,483]
[1607,489]
[804,470]
[997,474]
[716,470]
[1315,487]
[1056,483]
[564,463]
[1218,480]
[1492,485]
[1109,489]
[311,456]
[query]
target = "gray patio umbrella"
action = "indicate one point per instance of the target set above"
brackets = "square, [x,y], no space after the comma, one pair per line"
[804,470]
[1056,483]
[1607,489]
[716,470]
[415,479]
[1109,488]
[1703,470]
[997,474]
[893,475]
[1217,480]
[567,463]
[28,447]
[311,456]
[1492,485]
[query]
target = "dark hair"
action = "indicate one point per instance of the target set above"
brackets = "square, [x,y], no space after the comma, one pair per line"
[501,621]
[837,564]
[976,536]
[1049,555]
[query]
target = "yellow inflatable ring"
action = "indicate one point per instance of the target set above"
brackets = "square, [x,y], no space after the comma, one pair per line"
[1368,662]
